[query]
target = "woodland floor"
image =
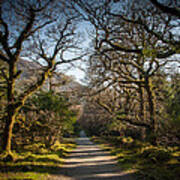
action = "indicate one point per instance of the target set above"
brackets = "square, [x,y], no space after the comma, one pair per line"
[89,162]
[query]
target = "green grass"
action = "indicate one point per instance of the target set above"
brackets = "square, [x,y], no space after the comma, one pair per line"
[147,161]
[35,162]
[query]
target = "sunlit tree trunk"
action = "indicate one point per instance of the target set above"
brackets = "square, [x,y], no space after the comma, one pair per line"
[8,131]
[11,110]
[14,106]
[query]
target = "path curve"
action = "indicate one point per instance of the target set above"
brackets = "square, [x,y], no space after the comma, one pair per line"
[89,162]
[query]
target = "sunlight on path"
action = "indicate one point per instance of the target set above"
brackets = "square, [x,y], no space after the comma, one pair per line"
[89,162]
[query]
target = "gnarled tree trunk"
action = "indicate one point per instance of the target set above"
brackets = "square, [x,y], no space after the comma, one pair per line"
[11,109]
[15,105]
[151,103]
[142,111]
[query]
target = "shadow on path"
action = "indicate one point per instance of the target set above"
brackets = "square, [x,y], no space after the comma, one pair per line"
[89,162]
[86,162]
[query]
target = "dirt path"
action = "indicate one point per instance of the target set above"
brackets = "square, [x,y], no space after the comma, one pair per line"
[89,162]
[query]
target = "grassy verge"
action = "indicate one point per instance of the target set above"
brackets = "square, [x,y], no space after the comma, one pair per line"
[147,161]
[35,162]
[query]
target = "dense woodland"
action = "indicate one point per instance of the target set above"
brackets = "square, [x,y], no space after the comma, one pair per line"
[132,76]
[134,70]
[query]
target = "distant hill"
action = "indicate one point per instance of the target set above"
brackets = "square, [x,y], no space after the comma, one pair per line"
[59,81]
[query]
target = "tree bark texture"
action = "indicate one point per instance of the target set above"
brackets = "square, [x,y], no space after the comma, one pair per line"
[151,103]
[15,105]
[11,109]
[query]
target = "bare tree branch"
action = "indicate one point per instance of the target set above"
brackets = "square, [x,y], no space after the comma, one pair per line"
[166,9]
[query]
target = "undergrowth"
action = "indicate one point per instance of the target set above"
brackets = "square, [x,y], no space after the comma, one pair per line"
[149,162]
[35,162]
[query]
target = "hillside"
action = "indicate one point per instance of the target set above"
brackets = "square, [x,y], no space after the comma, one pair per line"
[59,82]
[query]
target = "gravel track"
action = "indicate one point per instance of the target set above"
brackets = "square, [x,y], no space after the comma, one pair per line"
[89,162]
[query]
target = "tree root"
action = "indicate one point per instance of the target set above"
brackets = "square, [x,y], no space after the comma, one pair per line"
[7,157]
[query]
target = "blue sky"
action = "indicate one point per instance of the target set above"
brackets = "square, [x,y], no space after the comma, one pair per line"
[84,29]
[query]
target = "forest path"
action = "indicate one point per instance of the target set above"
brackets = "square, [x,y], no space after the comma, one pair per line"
[89,162]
